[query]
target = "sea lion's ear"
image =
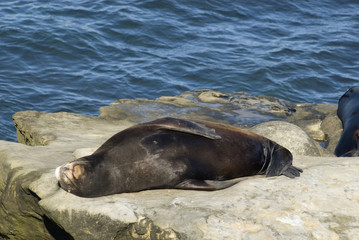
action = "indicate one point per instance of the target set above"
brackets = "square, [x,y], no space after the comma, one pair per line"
[78,171]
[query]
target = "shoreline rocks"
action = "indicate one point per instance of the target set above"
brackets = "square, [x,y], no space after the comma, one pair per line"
[291,137]
[318,205]
[238,109]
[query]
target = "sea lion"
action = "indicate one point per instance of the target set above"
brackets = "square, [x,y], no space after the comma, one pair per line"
[174,153]
[348,112]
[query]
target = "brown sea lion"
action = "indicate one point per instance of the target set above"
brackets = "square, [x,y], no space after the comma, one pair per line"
[348,112]
[174,153]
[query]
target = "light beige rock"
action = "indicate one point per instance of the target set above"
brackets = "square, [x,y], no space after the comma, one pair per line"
[333,128]
[66,129]
[289,136]
[318,205]
[213,97]
[82,152]
[321,204]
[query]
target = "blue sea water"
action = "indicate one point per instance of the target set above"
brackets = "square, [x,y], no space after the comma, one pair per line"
[76,56]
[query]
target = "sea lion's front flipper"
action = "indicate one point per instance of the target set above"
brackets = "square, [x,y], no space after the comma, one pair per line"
[204,185]
[186,126]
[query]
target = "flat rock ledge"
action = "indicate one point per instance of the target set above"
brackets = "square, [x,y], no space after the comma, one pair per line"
[321,204]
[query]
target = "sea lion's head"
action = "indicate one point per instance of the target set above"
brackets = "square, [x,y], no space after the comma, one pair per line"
[348,103]
[81,177]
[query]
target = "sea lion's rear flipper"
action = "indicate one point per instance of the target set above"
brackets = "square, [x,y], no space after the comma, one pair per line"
[281,162]
[204,185]
[181,125]
[292,172]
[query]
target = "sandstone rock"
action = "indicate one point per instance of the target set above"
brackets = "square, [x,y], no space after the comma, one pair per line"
[20,215]
[213,97]
[82,152]
[68,129]
[333,128]
[240,109]
[313,129]
[289,136]
[318,205]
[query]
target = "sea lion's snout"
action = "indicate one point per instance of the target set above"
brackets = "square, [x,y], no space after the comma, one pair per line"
[68,174]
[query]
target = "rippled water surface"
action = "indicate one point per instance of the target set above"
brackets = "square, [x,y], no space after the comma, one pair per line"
[79,55]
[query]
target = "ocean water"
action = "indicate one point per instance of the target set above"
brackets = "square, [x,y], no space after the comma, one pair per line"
[76,56]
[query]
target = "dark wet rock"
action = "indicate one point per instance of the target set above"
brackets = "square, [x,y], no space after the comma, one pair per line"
[238,109]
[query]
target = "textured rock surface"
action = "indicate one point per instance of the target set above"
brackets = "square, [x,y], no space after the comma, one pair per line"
[321,204]
[290,136]
[39,128]
[332,125]
[239,109]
